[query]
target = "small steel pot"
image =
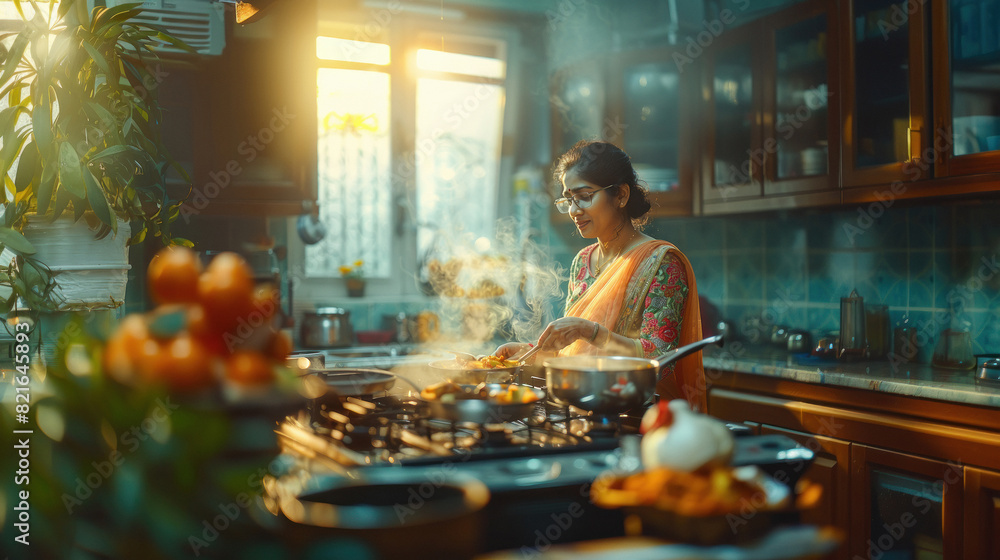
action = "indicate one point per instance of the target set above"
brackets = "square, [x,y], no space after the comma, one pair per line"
[989,372]
[611,384]
[799,342]
[327,327]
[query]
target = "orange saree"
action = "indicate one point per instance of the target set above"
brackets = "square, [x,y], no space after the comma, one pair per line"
[622,299]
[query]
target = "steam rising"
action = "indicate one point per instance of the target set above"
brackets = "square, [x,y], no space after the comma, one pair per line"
[491,293]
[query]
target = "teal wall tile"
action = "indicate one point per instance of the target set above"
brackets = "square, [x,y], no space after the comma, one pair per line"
[744,234]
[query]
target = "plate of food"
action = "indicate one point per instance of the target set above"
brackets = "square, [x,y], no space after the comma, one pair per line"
[716,505]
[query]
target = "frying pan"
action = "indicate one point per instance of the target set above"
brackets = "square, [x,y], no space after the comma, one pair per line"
[354,382]
[611,384]
[475,376]
[469,406]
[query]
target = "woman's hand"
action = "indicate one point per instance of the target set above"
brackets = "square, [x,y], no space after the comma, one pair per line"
[509,349]
[565,331]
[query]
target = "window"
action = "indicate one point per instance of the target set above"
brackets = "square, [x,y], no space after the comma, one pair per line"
[406,133]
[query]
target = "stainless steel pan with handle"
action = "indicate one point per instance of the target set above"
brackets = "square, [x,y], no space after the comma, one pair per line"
[611,384]
[475,404]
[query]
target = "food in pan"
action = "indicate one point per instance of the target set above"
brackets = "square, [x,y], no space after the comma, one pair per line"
[438,390]
[490,362]
[449,391]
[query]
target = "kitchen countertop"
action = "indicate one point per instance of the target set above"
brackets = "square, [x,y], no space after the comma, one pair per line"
[911,380]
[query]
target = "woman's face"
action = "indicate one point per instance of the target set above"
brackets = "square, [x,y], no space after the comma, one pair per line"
[604,214]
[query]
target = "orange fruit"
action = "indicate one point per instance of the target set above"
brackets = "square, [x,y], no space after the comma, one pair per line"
[266,299]
[225,290]
[248,367]
[279,346]
[122,352]
[184,364]
[173,275]
[200,328]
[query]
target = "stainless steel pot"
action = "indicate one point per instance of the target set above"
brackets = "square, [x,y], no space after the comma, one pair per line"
[989,373]
[610,384]
[327,327]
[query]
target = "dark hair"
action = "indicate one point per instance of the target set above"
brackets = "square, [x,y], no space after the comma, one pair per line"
[603,163]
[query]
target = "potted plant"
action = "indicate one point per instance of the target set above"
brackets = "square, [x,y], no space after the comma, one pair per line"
[81,149]
[354,278]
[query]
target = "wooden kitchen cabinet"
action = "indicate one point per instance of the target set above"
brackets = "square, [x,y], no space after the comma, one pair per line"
[885,107]
[906,476]
[966,89]
[831,470]
[909,505]
[772,137]
[643,101]
[982,513]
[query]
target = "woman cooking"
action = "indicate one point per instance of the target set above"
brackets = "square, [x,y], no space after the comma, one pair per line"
[629,294]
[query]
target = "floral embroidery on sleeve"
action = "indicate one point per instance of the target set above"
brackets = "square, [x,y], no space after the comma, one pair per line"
[664,309]
[579,275]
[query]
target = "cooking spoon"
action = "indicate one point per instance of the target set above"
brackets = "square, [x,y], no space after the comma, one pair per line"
[524,357]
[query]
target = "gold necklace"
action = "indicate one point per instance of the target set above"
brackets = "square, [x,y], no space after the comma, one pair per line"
[598,266]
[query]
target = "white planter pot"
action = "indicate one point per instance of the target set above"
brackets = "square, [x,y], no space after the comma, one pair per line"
[89,272]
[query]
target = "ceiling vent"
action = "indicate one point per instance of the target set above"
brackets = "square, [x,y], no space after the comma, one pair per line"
[199,23]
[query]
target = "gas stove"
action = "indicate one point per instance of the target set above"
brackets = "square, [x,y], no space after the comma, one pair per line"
[536,469]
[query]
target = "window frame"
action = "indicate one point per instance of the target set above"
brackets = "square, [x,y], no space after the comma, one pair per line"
[405,34]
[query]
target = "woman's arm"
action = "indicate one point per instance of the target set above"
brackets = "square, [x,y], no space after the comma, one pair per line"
[663,309]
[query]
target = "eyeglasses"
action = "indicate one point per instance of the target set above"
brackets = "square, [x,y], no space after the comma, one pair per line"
[582,200]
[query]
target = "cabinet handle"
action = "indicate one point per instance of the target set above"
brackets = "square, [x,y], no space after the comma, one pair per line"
[914,147]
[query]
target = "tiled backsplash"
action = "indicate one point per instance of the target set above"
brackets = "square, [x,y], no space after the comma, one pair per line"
[792,268]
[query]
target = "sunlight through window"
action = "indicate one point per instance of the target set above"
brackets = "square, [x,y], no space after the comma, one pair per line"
[438,61]
[346,50]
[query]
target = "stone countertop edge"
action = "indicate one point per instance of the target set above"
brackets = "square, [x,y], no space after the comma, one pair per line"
[911,380]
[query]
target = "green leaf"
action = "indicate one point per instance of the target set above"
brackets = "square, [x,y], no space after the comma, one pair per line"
[26,166]
[183,242]
[111,151]
[41,121]
[62,201]
[14,241]
[70,171]
[129,123]
[63,9]
[12,143]
[138,237]
[46,187]
[99,59]
[99,202]
[14,56]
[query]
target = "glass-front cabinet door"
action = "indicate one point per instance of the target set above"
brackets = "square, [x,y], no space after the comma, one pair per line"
[801,137]
[967,86]
[733,163]
[655,113]
[914,504]
[885,126]
[578,101]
